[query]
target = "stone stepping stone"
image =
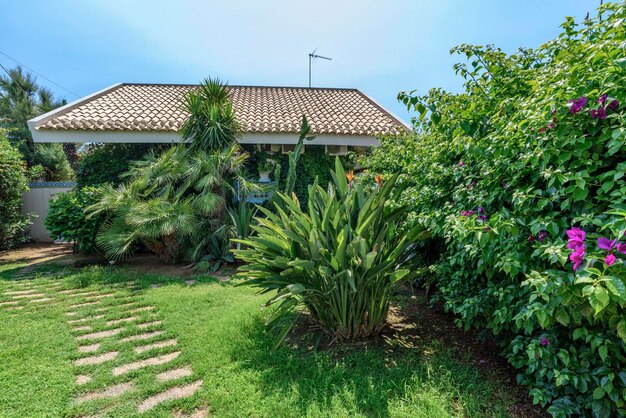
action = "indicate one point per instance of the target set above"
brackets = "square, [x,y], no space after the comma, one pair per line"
[149,324]
[99,359]
[82,328]
[176,392]
[199,413]
[9,302]
[108,307]
[122,320]
[154,361]
[161,344]
[142,309]
[14,308]
[110,392]
[174,374]
[101,296]
[190,282]
[155,285]
[99,335]
[40,300]
[86,319]
[89,348]
[30,295]
[77,292]
[139,337]
[82,379]
[20,292]
[80,305]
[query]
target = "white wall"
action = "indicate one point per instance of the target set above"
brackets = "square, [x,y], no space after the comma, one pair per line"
[36,201]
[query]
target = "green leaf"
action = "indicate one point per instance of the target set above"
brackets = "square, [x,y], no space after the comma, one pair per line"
[599,299]
[615,286]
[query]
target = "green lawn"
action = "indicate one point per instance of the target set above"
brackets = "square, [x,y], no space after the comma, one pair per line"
[219,335]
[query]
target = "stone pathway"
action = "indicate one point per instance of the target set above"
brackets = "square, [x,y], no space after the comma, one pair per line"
[122,343]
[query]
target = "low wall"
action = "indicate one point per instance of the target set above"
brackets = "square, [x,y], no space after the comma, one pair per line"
[36,201]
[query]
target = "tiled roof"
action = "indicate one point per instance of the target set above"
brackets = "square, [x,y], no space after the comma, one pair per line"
[160,107]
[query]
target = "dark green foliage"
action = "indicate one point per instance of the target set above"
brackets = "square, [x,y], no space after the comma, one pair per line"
[105,163]
[516,145]
[67,218]
[54,161]
[13,224]
[21,99]
[211,124]
[341,257]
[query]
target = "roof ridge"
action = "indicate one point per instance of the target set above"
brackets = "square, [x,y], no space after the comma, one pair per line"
[243,86]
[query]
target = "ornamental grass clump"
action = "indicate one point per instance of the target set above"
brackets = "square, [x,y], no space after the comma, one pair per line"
[340,258]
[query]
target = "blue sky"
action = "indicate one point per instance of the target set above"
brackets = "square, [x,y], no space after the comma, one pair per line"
[379,47]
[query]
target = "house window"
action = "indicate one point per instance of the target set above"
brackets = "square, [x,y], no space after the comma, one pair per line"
[291,147]
[271,148]
[336,149]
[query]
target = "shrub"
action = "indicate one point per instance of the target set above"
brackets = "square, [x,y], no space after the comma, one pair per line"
[534,146]
[54,161]
[13,225]
[67,218]
[341,258]
[105,163]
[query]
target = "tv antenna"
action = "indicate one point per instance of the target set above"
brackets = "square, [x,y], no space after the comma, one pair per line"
[311,56]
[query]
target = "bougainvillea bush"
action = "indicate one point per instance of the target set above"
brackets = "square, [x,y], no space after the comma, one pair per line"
[521,179]
[13,225]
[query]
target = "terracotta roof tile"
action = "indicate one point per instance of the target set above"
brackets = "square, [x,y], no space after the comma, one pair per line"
[160,107]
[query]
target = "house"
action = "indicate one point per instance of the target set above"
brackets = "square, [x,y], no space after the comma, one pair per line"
[153,113]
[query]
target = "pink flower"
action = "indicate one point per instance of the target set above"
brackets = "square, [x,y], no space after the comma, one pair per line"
[531,238]
[577,258]
[600,113]
[461,164]
[577,105]
[621,247]
[606,244]
[609,260]
[464,213]
[602,99]
[545,341]
[542,235]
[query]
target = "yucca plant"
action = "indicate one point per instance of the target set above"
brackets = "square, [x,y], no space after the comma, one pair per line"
[340,259]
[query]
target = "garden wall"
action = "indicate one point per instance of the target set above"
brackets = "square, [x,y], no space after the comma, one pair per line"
[36,201]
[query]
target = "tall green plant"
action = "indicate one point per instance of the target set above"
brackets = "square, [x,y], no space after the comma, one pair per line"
[501,172]
[13,225]
[211,124]
[341,258]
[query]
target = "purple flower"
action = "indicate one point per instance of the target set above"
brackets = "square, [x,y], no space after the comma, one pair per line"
[545,341]
[598,114]
[602,99]
[577,104]
[609,260]
[470,213]
[464,213]
[576,233]
[621,247]
[482,218]
[541,130]
[481,210]
[482,361]
[531,238]
[542,235]
[614,105]
[606,244]
[577,258]
[461,164]
[551,125]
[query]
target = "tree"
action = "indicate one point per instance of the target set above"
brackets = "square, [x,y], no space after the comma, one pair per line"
[21,99]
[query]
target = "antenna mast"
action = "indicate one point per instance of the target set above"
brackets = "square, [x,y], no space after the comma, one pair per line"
[311,56]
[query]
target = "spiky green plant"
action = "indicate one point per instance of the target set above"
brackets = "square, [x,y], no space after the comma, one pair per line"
[341,258]
[211,123]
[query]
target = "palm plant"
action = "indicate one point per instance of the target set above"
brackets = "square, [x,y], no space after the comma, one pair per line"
[175,203]
[340,258]
[211,123]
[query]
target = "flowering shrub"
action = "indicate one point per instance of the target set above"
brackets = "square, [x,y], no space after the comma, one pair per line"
[537,139]
[13,225]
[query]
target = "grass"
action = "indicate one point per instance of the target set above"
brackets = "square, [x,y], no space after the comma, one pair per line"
[219,329]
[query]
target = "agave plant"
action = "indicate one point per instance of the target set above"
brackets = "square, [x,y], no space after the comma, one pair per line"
[340,259]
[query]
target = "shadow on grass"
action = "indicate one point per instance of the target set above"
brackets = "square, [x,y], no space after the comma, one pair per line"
[380,379]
